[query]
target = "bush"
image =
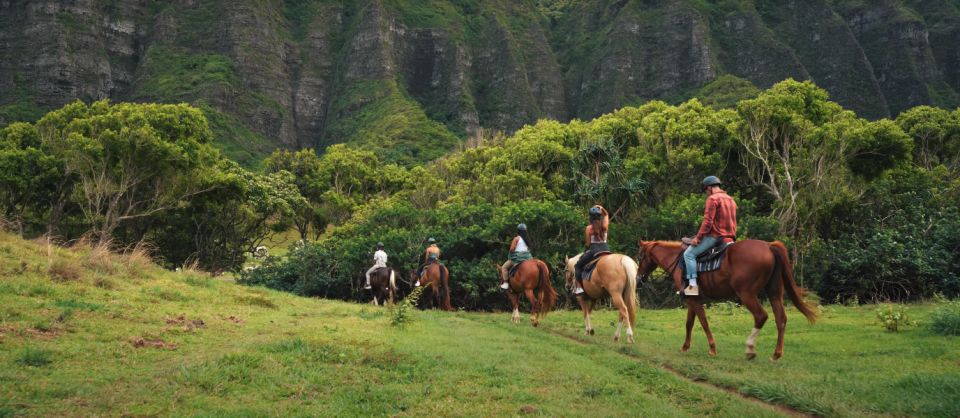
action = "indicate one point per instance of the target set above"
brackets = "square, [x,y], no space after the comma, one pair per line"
[400,312]
[898,243]
[946,319]
[892,317]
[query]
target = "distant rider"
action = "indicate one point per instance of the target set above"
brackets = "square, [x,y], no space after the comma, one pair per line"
[519,251]
[430,256]
[596,242]
[379,261]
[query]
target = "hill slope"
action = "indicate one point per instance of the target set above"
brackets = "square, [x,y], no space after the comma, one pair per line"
[412,77]
[87,333]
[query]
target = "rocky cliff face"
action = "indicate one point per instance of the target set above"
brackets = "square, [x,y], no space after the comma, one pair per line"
[413,78]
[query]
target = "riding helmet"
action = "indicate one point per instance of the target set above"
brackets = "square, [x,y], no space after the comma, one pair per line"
[595,213]
[431,241]
[380,245]
[711,181]
[522,227]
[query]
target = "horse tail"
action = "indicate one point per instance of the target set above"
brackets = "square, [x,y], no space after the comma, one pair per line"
[548,296]
[445,288]
[393,285]
[786,272]
[630,292]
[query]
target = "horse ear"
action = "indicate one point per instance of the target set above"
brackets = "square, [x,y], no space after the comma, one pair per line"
[566,260]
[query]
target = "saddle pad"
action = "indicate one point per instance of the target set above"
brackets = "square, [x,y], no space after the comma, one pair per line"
[588,269]
[708,261]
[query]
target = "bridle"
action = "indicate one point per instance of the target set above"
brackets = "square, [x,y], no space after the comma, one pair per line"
[670,271]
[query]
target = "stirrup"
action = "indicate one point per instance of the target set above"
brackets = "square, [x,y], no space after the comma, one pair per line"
[691,291]
[578,291]
[505,285]
[417,284]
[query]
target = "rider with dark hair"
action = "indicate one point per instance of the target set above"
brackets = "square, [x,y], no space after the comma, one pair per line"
[719,225]
[379,261]
[519,251]
[596,242]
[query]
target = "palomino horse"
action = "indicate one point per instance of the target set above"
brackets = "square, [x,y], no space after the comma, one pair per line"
[383,284]
[615,276]
[749,268]
[437,277]
[532,278]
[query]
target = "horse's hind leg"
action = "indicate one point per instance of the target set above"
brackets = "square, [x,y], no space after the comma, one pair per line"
[617,299]
[780,316]
[515,301]
[691,316]
[534,308]
[759,318]
[702,316]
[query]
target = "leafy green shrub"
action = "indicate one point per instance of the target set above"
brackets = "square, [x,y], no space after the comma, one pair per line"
[893,317]
[400,312]
[897,243]
[946,319]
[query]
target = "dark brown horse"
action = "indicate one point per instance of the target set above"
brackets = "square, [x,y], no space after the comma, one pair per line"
[749,268]
[532,278]
[383,285]
[437,277]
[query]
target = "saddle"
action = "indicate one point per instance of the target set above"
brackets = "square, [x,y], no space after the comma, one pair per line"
[589,267]
[513,270]
[710,259]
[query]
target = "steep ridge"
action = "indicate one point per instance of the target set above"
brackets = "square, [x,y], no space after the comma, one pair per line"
[411,79]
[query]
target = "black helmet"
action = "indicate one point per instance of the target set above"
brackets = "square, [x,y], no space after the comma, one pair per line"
[711,181]
[380,245]
[522,227]
[595,213]
[431,241]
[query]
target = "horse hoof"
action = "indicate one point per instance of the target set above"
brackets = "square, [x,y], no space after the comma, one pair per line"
[751,356]
[684,348]
[591,332]
[615,339]
[712,353]
[776,356]
[629,340]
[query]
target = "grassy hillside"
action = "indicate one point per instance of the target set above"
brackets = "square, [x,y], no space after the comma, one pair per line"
[86,333]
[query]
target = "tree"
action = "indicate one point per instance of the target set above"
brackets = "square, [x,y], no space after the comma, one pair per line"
[33,185]
[240,209]
[802,148]
[132,161]
[936,136]
[305,167]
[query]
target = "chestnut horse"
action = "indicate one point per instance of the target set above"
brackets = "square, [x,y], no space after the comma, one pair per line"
[748,269]
[437,277]
[532,278]
[615,276]
[383,285]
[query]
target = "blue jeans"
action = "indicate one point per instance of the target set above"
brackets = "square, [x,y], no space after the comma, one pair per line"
[691,253]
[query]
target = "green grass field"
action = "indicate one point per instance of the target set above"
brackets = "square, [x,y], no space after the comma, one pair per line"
[83,333]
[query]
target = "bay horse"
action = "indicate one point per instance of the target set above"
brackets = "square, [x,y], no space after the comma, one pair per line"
[615,276]
[748,268]
[437,277]
[383,285]
[532,278]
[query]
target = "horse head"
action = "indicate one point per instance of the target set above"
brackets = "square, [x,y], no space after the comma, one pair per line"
[647,263]
[570,264]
